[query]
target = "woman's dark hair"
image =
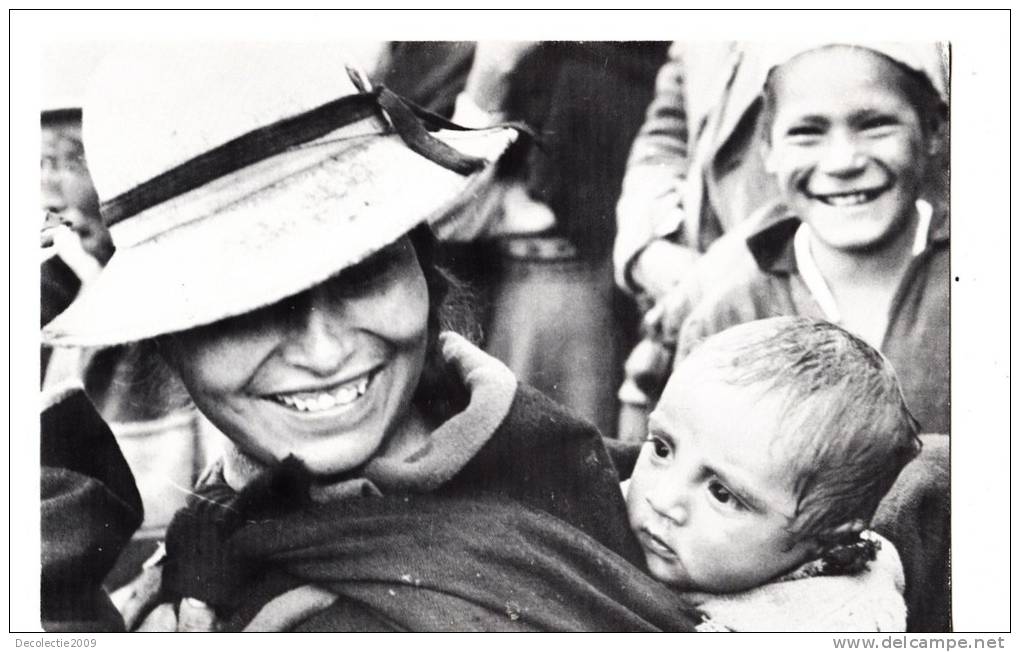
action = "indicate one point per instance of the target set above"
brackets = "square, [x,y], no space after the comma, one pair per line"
[439,395]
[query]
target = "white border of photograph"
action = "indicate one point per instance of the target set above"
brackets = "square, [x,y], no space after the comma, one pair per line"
[981,237]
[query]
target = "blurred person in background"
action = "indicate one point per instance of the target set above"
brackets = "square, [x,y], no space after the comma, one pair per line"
[165,443]
[555,317]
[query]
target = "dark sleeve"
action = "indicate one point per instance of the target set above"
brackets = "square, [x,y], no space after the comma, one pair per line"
[90,507]
[58,288]
[624,455]
[914,515]
[429,73]
[545,457]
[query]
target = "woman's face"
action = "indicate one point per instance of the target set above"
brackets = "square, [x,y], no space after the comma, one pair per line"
[326,376]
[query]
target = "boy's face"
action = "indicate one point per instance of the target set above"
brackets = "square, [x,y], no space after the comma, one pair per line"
[710,499]
[847,147]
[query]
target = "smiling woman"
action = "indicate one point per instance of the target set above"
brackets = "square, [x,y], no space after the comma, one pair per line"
[272,211]
[327,375]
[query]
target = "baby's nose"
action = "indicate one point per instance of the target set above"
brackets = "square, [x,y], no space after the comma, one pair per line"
[672,509]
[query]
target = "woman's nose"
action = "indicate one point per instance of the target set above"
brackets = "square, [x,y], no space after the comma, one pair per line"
[318,339]
[842,156]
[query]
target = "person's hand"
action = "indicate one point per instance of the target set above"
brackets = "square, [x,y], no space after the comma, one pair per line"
[660,266]
[193,615]
[663,321]
[138,598]
[92,234]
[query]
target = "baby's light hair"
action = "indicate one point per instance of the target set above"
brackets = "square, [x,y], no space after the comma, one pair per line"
[844,414]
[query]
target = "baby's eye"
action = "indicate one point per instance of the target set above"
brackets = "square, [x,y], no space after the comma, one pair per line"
[661,449]
[722,495]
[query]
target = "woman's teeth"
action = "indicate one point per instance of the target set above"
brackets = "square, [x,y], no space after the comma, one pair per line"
[319,401]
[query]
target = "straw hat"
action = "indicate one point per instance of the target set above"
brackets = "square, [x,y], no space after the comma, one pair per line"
[236,175]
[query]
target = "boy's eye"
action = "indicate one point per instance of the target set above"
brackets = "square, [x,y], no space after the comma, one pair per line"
[804,134]
[722,495]
[660,448]
[878,125]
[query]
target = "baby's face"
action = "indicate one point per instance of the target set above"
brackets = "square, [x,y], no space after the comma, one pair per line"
[711,496]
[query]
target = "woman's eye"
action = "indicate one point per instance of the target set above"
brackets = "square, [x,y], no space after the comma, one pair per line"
[722,495]
[363,276]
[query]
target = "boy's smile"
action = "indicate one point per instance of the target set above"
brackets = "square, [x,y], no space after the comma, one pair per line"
[854,197]
[847,147]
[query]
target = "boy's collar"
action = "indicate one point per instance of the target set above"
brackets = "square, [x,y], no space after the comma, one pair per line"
[771,242]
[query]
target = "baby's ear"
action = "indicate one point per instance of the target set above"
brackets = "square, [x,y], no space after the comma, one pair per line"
[844,533]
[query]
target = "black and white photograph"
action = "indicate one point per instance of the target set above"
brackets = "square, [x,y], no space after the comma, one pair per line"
[554,329]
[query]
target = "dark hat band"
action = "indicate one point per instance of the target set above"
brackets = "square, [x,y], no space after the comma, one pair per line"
[409,121]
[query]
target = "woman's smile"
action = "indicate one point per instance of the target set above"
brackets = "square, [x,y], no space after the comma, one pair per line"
[327,376]
[332,410]
[340,395]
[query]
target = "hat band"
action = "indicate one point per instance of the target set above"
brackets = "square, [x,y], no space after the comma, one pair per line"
[409,122]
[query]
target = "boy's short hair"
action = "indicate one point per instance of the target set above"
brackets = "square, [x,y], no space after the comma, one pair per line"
[918,88]
[844,411]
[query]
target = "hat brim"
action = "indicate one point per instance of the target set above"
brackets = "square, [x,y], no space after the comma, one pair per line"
[277,240]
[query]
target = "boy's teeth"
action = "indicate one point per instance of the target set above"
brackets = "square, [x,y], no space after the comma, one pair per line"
[319,401]
[847,200]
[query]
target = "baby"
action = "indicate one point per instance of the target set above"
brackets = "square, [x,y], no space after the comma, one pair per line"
[767,455]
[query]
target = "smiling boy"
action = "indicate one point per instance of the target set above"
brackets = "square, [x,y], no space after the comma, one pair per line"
[852,134]
[767,456]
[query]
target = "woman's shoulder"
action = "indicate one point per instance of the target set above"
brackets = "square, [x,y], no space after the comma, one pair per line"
[536,435]
[548,458]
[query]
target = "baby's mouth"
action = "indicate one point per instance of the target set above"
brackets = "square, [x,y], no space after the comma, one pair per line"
[853,198]
[657,546]
[327,398]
